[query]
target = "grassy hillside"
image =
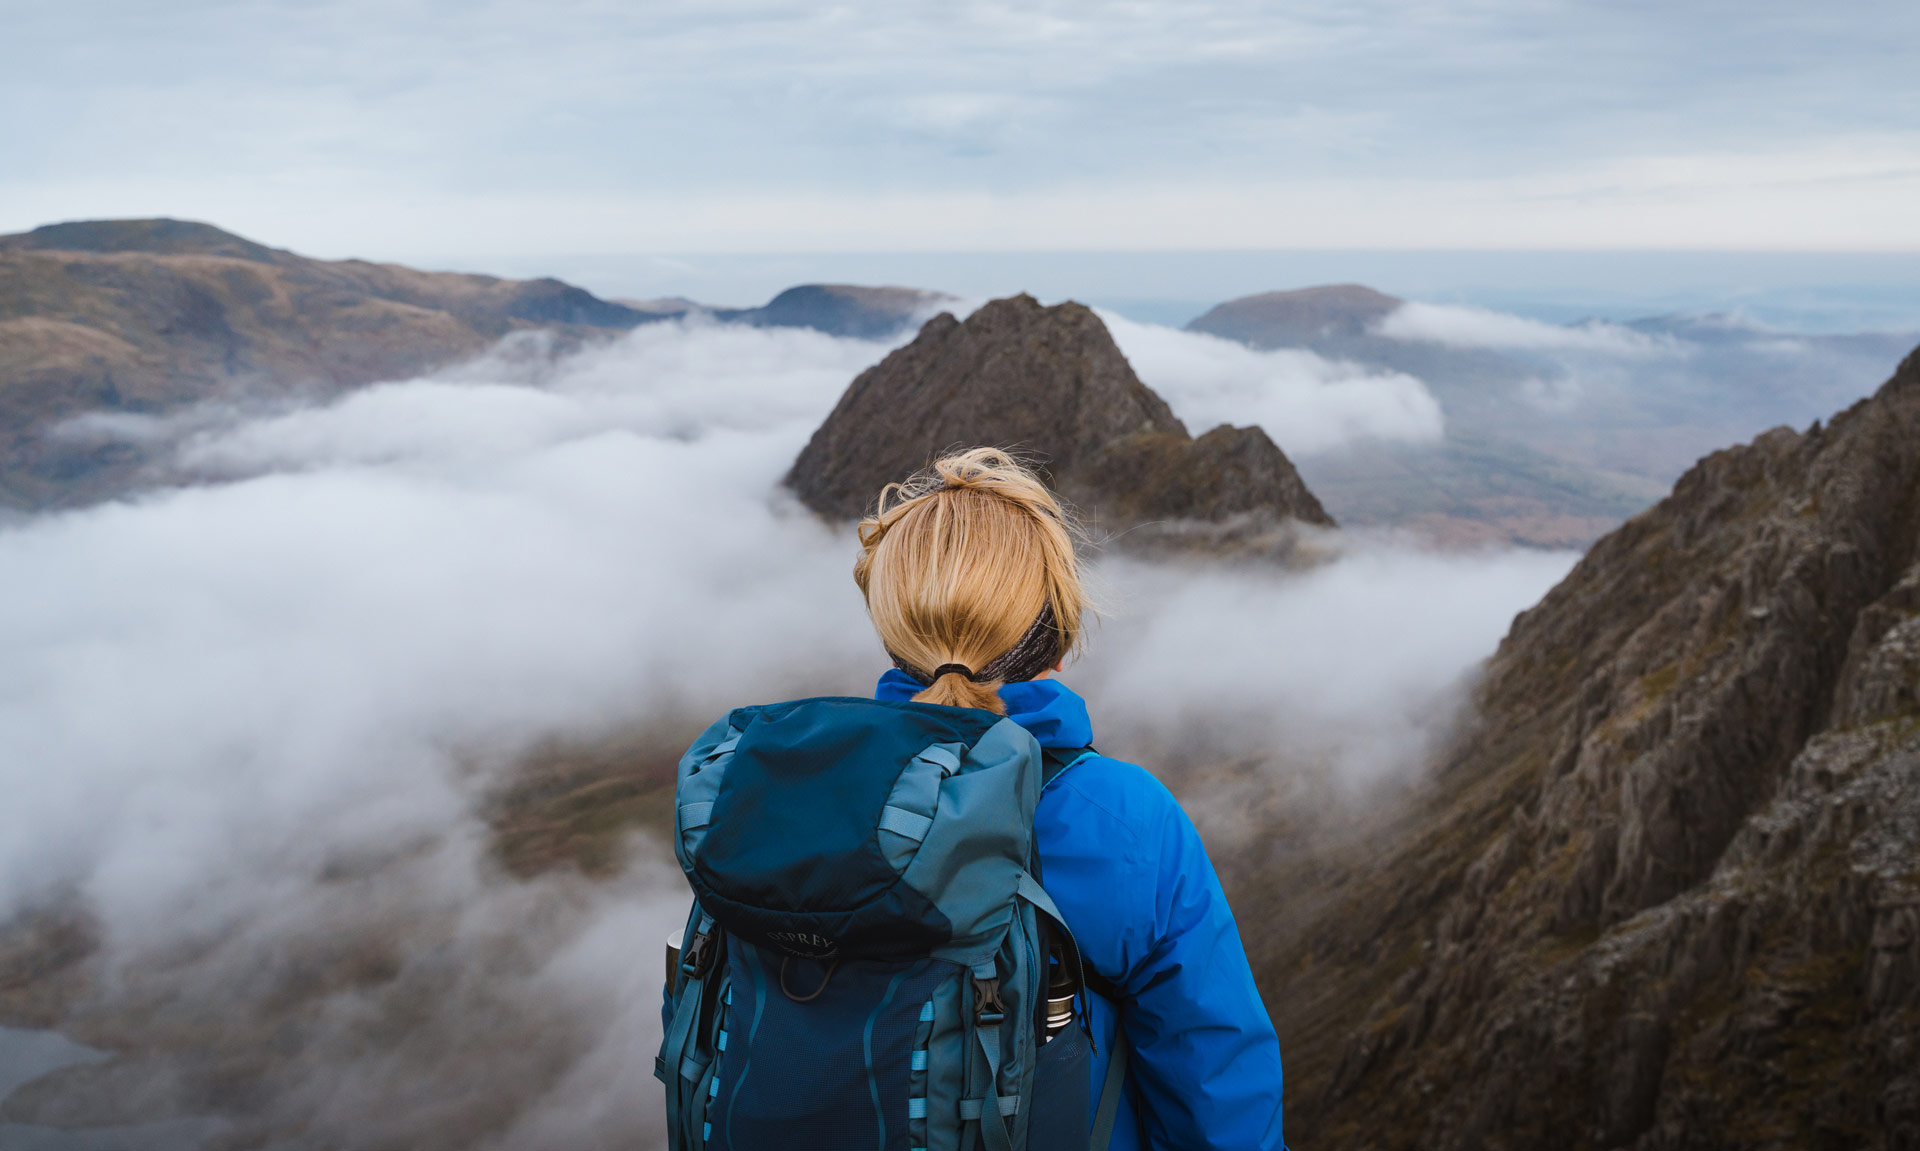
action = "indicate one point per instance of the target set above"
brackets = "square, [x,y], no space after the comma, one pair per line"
[147,317]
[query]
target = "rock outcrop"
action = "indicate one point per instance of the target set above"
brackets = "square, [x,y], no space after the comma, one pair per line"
[1050,383]
[141,317]
[1665,893]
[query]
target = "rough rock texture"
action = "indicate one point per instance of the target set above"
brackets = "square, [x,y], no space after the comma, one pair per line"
[142,317]
[1051,384]
[1666,893]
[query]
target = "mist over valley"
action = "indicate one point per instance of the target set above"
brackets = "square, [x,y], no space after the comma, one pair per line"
[352,618]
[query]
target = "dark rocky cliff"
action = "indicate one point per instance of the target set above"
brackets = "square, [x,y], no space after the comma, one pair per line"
[1051,383]
[1666,892]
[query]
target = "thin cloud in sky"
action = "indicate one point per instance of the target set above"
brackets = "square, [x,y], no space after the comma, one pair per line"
[684,126]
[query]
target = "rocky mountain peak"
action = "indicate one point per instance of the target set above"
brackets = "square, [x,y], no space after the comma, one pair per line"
[1050,383]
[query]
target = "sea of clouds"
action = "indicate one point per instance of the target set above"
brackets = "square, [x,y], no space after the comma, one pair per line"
[250,723]
[1646,398]
[1309,404]
[1464,327]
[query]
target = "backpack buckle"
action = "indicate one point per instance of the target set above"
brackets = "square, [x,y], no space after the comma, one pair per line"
[988,1008]
[696,958]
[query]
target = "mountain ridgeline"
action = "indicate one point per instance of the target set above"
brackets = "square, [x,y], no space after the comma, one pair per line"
[1665,891]
[866,313]
[1050,383]
[146,318]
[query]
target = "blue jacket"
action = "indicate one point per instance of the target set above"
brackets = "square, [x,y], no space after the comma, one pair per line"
[1128,872]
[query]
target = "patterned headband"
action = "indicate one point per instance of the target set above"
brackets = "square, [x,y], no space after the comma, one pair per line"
[1036,651]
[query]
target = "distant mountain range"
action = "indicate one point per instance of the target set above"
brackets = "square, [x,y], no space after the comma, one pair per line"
[1486,481]
[1548,446]
[148,317]
[1554,433]
[837,309]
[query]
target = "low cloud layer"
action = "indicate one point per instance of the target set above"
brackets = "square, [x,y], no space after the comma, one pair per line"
[1353,667]
[250,725]
[241,721]
[1462,327]
[1308,404]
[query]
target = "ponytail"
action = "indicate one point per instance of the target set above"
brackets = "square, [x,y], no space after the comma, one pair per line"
[971,578]
[955,689]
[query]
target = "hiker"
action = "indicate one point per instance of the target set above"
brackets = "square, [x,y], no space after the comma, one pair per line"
[921,925]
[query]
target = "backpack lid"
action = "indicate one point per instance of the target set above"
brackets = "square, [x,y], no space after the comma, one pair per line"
[858,828]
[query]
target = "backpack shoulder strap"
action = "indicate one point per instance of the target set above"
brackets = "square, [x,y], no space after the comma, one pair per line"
[1054,760]
[1109,1109]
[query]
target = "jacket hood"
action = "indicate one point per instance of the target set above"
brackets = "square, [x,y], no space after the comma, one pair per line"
[1047,708]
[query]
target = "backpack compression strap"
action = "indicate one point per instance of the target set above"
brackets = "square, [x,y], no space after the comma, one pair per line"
[675,1061]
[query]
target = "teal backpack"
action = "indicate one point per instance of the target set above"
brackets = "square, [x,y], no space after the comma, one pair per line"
[871,960]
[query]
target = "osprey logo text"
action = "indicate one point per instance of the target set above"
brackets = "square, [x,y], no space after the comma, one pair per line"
[804,944]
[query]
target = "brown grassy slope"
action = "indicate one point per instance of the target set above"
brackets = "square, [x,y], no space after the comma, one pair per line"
[146,317]
[1664,895]
[578,804]
[252,1020]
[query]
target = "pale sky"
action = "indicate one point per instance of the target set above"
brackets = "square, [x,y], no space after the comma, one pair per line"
[420,126]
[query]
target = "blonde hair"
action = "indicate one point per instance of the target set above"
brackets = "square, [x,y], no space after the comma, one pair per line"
[957,565]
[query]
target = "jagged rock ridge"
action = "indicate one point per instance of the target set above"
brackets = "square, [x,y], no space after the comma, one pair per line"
[1050,383]
[1666,892]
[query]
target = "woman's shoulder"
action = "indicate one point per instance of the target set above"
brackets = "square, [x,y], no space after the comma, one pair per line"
[1124,796]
